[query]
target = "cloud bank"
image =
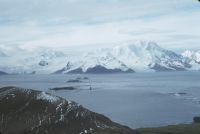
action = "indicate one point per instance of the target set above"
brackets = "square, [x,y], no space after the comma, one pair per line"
[66,23]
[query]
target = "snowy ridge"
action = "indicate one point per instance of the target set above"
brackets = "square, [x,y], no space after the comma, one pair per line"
[193,58]
[138,56]
[47,97]
[23,61]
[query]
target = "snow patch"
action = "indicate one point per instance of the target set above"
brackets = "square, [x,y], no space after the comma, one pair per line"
[47,97]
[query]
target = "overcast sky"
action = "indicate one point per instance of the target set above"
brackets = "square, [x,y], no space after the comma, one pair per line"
[173,24]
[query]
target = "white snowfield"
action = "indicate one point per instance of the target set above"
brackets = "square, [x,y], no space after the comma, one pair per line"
[193,58]
[47,97]
[138,56]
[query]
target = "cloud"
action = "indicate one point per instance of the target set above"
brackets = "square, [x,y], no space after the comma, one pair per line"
[64,23]
[89,10]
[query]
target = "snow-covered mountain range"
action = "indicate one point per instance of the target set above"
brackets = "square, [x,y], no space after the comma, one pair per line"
[139,56]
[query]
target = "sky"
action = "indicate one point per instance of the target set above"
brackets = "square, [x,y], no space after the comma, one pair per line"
[173,24]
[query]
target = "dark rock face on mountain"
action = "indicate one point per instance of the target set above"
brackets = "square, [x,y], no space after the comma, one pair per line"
[43,63]
[76,71]
[95,70]
[160,68]
[24,111]
[59,71]
[101,69]
[3,73]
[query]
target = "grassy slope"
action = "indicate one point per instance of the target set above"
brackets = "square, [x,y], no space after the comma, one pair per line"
[173,129]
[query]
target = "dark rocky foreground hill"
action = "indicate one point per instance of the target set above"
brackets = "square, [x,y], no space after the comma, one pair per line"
[2,73]
[25,111]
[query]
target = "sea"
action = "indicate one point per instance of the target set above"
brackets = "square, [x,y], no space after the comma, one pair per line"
[136,100]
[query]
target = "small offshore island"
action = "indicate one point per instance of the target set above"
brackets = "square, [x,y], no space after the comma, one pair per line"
[26,111]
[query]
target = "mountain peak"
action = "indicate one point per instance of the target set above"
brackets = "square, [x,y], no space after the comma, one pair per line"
[148,45]
[187,53]
[194,57]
